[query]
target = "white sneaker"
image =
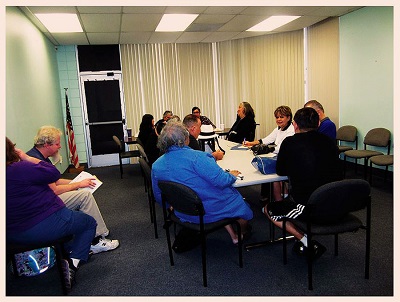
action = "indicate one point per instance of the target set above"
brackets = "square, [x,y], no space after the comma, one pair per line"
[104,245]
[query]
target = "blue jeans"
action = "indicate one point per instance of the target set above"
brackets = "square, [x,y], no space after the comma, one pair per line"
[62,223]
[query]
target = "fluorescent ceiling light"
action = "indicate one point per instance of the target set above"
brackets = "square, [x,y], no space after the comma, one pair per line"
[272,23]
[58,23]
[175,22]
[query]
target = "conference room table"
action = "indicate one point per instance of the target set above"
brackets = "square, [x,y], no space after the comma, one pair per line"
[238,157]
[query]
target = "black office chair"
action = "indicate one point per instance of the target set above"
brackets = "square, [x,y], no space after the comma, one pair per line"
[184,200]
[13,249]
[377,137]
[348,134]
[124,154]
[380,160]
[329,212]
[150,196]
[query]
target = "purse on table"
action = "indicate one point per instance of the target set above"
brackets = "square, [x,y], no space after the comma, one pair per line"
[266,165]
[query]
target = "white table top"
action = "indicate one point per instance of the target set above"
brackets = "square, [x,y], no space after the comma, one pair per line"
[239,158]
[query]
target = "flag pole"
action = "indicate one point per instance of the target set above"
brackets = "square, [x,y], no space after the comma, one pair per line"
[73,153]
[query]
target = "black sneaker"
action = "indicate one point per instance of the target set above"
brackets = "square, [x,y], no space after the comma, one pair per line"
[69,273]
[319,249]
[299,248]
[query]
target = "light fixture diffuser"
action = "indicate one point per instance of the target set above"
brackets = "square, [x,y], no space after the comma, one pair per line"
[175,22]
[272,23]
[60,23]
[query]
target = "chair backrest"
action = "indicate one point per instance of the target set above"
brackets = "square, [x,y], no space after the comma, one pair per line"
[146,169]
[334,200]
[182,198]
[347,133]
[118,142]
[142,152]
[379,137]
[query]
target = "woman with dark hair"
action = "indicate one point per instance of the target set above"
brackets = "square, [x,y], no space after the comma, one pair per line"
[283,118]
[34,213]
[245,126]
[146,128]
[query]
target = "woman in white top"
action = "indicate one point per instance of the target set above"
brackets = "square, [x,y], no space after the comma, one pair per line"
[283,116]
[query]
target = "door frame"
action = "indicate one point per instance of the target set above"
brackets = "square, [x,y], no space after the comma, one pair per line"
[104,159]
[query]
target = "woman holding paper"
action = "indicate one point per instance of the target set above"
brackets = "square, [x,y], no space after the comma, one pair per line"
[36,214]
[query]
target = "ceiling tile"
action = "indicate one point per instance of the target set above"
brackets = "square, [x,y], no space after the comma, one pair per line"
[103,38]
[220,36]
[140,22]
[101,22]
[134,37]
[164,37]
[192,37]
[143,9]
[71,38]
[99,9]
[241,22]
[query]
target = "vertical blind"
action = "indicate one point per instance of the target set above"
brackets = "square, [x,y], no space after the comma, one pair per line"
[323,66]
[266,71]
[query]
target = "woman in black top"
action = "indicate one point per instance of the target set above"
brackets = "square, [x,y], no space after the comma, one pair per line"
[146,128]
[245,126]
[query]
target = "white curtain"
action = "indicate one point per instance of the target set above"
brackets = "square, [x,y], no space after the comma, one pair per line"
[323,66]
[266,71]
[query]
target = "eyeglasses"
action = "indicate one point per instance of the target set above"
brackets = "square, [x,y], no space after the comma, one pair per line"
[195,112]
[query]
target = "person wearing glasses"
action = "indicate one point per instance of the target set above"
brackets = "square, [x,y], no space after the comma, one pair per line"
[203,119]
[46,144]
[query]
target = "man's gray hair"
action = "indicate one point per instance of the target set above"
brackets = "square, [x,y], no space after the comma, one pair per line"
[46,135]
[173,134]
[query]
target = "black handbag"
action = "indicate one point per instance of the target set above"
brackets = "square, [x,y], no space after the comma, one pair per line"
[261,149]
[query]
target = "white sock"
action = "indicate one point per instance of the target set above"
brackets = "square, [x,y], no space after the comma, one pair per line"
[304,240]
[75,262]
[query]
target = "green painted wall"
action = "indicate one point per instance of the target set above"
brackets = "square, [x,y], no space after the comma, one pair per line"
[32,86]
[366,70]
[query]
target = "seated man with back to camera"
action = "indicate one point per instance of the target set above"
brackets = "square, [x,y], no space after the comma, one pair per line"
[47,144]
[193,125]
[199,171]
[309,159]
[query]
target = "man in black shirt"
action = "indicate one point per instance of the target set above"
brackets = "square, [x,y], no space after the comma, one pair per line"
[310,160]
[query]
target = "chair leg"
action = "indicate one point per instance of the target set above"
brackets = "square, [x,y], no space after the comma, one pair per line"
[203,257]
[365,168]
[284,242]
[58,248]
[370,173]
[336,244]
[310,251]
[368,240]
[240,244]
[120,166]
[344,166]
[171,257]
[153,205]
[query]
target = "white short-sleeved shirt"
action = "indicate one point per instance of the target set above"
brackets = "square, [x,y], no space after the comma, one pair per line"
[277,136]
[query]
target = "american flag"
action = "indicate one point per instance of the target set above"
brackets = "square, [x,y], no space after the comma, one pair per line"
[71,137]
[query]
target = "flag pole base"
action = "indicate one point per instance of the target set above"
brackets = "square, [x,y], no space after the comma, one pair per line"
[72,169]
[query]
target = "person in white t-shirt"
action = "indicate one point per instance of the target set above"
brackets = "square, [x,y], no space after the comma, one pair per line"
[283,116]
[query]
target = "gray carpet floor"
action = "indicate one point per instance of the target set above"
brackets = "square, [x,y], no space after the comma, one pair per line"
[140,266]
